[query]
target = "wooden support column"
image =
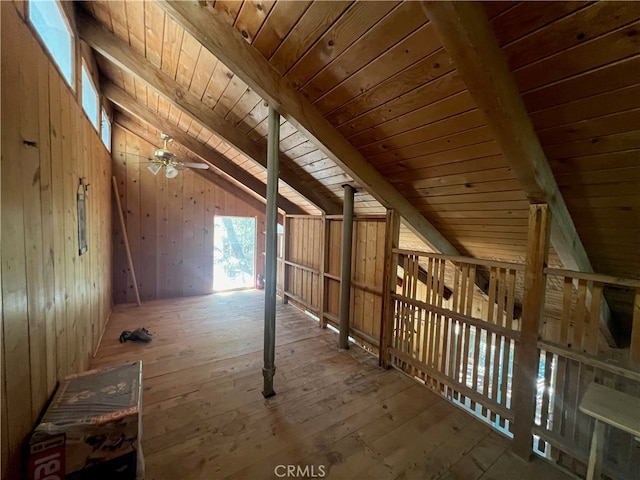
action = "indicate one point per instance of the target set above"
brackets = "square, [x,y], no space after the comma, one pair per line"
[526,354]
[271,251]
[635,329]
[389,282]
[345,273]
[324,237]
[285,257]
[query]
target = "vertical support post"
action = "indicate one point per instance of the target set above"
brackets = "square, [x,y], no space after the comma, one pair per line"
[389,282]
[285,257]
[526,355]
[271,251]
[324,241]
[635,329]
[345,273]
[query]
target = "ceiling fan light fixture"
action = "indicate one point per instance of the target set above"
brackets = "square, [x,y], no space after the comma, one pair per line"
[171,172]
[155,168]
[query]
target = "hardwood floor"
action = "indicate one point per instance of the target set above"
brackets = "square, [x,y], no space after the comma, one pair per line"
[336,414]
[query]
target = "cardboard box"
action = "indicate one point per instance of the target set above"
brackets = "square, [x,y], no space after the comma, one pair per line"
[92,428]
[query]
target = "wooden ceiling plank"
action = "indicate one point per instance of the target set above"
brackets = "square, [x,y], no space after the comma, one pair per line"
[154,19]
[118,14]
[472,136]
[592,163]
[250,102]
[527,17]
[467,178]
[171,45]
[496,8]
[403,168]
[606,49]
[475,164]
[129,104]
[189,53]
[435,127]
[611,176]
[398,24]
[618,122]
[231,49]
[115,50]
[478,187]
[401,56]
[430,112]
[220,78]
[135,24]
[344,32]
[462,199]
[101,11]
[236,88]
[403,84]
[229,9]
[586,24]
[618,142]
[254,117]
[598,105]
[251,17]
[313,23]
[584,85]
[277,26]
[202,73]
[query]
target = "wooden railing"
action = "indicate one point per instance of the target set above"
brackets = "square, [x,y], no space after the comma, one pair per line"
[473,330]
[464,347]
[571,358]
[461,346]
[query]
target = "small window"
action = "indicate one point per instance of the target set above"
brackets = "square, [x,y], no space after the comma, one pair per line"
[49,21]
[89,97]
[106,130]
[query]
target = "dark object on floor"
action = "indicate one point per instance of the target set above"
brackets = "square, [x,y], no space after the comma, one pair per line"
[140,335]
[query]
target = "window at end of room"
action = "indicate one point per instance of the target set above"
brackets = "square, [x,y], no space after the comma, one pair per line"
[106,130]
[89,97]
[48,19]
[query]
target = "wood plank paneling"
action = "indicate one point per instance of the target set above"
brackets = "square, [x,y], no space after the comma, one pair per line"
[170,225]
[55,303]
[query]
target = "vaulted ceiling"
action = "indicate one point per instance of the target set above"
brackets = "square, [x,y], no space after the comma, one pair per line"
[458,115]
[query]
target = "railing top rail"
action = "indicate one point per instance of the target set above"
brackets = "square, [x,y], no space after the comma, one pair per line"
[460,259]
[594,277]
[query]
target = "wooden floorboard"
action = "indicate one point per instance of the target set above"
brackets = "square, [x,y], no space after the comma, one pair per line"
[335,413]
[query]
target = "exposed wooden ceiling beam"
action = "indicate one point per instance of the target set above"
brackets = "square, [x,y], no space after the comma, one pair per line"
[129,104]
[469,40]
[128,124]
[227,44]
[122,55]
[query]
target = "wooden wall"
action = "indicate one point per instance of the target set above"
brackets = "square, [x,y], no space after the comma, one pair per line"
[55,303]
[169,224]
[313,255]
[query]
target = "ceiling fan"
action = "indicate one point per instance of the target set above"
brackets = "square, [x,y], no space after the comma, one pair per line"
[167,159]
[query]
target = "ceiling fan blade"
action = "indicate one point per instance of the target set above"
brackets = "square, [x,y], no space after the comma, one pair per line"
[201,166]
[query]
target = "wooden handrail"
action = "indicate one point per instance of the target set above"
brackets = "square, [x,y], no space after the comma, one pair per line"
[587,359]
[594,277]
[458,259]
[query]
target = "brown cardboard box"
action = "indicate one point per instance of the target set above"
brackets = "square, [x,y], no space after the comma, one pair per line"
[96,415]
